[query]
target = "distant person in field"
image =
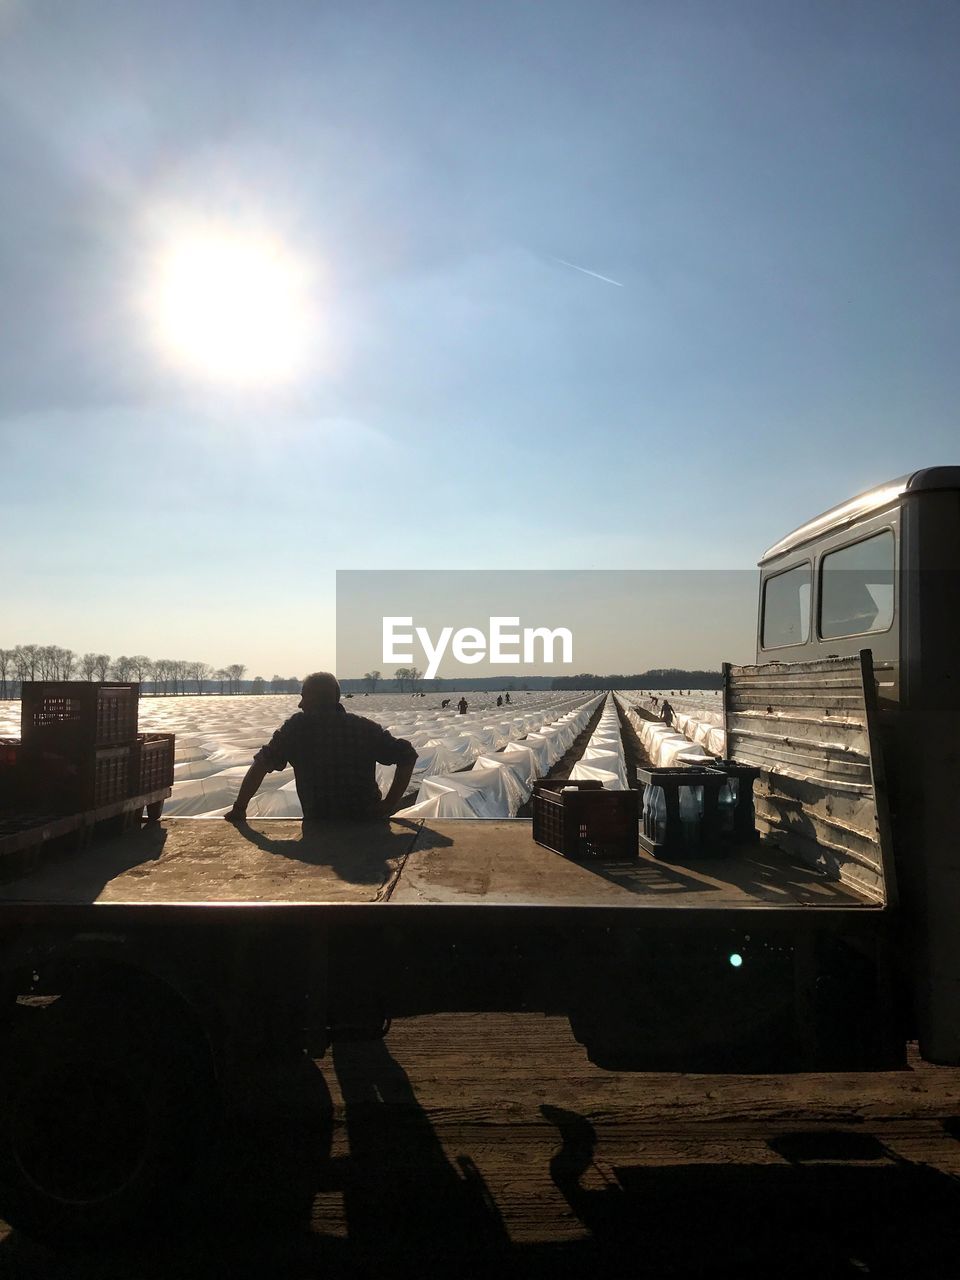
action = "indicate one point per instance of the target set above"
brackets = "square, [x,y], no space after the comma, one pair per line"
[507,698]
[334,756]
[499,701]
[462,706]
[666,713]
[444,703]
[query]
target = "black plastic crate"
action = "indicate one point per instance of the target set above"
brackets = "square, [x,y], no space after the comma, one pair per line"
[9,772]
[153,763]
[586,822]
[78,713]
[737,820]
[671,834]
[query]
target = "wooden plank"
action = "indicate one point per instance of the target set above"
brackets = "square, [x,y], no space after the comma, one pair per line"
[879,776]
[798,704]
[826,831]
[854,807]
[767,753]
[786,774]
[829,736]
[778,680]
[489,1145]
[812,728]
[831,669]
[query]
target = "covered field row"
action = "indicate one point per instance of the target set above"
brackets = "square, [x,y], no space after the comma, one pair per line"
[217,738]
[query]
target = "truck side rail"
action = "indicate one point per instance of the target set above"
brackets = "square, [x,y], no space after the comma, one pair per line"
[812,729]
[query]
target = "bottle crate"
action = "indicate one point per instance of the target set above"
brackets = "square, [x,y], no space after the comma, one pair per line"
[737,819]
[684,818]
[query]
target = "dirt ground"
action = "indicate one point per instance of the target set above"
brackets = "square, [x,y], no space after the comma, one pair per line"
[489,1145]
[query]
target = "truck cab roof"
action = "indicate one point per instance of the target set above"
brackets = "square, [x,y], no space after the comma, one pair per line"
[854,509]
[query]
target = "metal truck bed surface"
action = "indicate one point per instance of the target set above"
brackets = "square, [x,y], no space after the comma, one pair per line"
[439,863]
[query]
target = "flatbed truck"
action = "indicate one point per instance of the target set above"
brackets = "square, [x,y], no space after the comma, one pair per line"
[145,980]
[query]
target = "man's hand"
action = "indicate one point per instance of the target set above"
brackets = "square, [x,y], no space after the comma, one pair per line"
[384,809]
[248,789]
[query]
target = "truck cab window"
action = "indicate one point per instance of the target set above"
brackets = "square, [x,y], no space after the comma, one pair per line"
[786,607]
[856,587]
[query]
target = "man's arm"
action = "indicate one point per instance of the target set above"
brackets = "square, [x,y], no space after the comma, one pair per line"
[248,789]
[398,788]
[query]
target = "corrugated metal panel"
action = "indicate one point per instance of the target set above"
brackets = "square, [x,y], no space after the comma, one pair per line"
[811,727]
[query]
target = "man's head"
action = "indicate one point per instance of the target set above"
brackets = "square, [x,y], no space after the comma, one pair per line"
[320,692]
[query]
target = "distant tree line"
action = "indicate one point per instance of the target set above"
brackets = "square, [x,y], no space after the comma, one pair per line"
[162,676]
[660,678]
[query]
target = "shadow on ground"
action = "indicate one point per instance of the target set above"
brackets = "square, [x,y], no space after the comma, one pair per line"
[841,1204]
[830,1204]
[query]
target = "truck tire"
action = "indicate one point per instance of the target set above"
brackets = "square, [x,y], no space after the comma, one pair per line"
[103,1118]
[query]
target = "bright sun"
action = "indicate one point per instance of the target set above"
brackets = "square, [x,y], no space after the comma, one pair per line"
[232,307]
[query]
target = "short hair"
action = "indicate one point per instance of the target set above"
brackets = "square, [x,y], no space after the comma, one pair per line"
[321,686]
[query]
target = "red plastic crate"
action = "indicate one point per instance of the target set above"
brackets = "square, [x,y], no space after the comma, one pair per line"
[72,781]
[588,822]
[154,763]
[106,777]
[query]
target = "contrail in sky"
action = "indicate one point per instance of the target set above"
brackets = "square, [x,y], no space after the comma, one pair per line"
[596,274]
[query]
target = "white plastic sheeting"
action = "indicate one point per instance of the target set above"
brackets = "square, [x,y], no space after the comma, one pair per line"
[603,761]
[217,738]
[490,791]
[666,747]
[451,743]
[498,785]
[709,736]
[698,716]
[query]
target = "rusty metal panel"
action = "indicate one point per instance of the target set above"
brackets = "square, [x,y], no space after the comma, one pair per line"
[812,730]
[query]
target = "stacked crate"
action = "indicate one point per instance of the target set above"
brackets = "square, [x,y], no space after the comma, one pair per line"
[79,742]
[9,774]
[153,762]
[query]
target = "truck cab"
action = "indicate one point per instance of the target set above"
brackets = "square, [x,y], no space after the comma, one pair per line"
[881,571]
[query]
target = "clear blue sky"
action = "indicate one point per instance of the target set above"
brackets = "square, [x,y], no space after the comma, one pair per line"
[773,186]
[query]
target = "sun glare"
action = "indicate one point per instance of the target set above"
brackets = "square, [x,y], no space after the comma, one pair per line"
[232,308]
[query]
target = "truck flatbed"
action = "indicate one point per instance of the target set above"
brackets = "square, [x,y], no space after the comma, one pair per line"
[438,863]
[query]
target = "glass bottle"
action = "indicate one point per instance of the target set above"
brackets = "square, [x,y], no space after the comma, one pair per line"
[691,811]
[654,813]
[726,805]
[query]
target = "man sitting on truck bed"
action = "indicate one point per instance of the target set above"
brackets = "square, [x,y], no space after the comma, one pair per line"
[334,756]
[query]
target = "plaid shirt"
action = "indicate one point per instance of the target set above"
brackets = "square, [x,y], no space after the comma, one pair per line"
[334,757]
